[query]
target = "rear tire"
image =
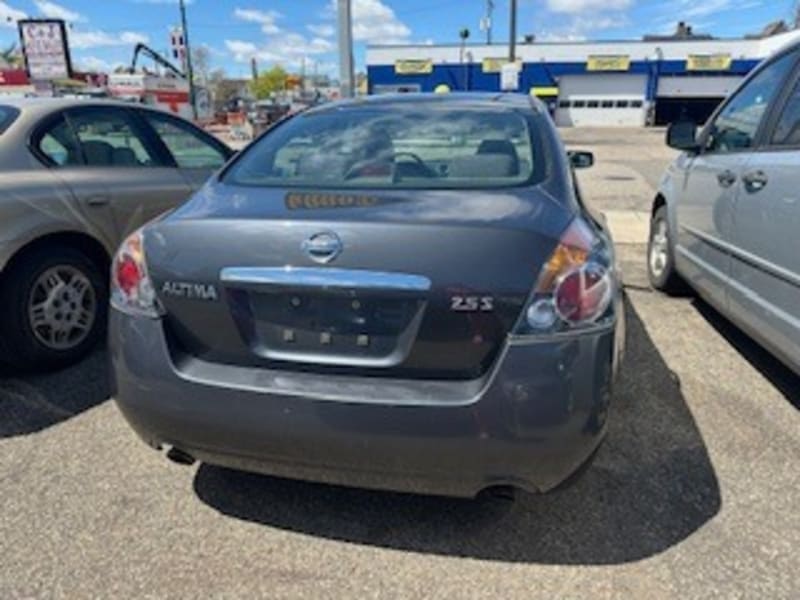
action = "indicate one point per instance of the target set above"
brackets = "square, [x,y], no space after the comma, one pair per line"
[660,257]
[54,303]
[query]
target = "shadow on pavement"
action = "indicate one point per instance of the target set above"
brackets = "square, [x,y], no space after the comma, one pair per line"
[778,374]
[31,403]
[651,486]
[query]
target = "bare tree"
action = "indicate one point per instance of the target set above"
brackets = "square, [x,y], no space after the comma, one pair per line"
[201,61]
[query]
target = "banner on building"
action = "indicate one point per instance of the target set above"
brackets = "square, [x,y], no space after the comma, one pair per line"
[709,62]
[414,67]
[608,62]
[45,48]
[544,91]
[495,65]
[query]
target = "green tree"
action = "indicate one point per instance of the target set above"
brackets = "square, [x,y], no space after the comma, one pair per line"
[268,82]
[11,56]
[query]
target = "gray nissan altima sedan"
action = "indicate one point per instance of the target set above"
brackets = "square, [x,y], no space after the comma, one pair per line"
[403,293]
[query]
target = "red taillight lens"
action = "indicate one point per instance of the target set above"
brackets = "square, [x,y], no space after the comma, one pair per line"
[575,286]
[583,294]
[131,289]
[127,275]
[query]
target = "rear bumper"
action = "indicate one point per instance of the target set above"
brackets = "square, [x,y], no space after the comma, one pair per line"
[531,422]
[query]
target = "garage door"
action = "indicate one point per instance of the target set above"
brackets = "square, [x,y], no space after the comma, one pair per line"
[697,87]
[602,100]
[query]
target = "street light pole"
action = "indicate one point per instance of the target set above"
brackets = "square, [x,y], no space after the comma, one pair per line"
[189,67]
[512,51]
[346,48]
[489,11]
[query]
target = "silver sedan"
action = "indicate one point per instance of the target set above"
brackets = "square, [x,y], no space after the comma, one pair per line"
[77,177]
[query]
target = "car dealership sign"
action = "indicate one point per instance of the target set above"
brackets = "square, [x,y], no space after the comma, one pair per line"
[45,47]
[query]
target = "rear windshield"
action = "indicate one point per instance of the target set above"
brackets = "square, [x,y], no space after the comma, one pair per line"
[7,116]
[431,147]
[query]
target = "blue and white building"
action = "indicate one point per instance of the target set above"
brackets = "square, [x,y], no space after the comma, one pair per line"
[610,83]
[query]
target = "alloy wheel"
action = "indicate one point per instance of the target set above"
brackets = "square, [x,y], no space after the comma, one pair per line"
[659,248]
[62,307]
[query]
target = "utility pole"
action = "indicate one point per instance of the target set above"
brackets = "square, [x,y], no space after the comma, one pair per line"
[189,68]
[346,48]
[488,21]
[512,48]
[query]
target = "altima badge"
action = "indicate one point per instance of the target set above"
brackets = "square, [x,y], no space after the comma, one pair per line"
[190,291]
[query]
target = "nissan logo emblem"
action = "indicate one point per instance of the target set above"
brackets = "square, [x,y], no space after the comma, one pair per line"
[323,247]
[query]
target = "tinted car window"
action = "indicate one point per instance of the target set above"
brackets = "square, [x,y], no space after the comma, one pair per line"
[7,116]
[736,126]
[431,147]
[58,143]
[109,138]
[190,148]
[787,131]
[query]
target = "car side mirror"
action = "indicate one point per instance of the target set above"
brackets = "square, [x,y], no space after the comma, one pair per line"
[682,135]
[580,159]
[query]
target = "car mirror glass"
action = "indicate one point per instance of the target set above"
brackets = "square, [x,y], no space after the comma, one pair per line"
[682,135]
[580,159]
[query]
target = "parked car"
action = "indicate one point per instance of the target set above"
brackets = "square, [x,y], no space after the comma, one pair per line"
[402,292]
[77,176]
[727,215]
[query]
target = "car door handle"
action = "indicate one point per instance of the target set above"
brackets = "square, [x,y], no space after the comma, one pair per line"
[726,178]
[98,199]
[755,181]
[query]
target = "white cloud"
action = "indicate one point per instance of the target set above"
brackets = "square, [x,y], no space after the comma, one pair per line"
[99,39]
[10,15]
[690,9]
[323,30]
[375,22]
[288,49]
[580,6]
[242,51]
[51,10]
[265,19]
[579,28]
[93,63]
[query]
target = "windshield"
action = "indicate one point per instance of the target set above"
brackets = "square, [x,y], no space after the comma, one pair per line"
[7,116]
[430,147]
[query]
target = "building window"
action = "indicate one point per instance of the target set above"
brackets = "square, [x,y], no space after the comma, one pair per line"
[563,104]
[593,104]
[579,104]
[623,103]
[607,104]
[637,104]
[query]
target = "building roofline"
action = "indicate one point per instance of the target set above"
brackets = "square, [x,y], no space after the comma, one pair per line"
[568,43]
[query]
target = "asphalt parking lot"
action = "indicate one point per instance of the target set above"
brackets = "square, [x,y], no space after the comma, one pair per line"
[694,495]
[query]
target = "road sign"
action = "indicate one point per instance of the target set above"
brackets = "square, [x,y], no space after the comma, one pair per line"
[45,48]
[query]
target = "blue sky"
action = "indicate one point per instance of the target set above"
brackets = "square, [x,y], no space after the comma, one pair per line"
[287,31]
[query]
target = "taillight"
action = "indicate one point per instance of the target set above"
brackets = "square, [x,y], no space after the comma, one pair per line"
[132,290]
[575,288]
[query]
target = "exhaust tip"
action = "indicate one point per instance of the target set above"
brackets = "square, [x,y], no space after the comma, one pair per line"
[180,457]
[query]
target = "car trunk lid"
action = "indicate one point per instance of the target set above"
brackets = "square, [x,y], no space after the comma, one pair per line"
[421,285]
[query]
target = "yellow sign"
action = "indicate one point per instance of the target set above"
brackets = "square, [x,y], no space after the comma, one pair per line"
[495,65]
[709,62]
[544,92]
[414,67]
[608,62]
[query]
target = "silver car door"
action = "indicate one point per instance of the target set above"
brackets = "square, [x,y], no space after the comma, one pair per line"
[55,145]
[714,181]
[765,267]
[120,172]
[196,154]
